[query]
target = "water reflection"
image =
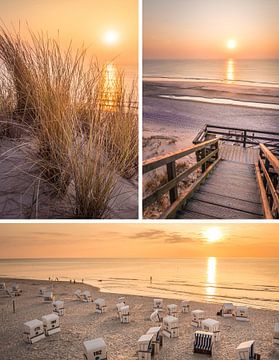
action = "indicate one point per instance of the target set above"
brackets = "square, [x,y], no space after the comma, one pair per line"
[211,276]
[110,88]
[230,71]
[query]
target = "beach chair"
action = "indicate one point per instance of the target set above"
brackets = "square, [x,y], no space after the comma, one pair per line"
[157,339]
[125,314]
[227,310]
[170,326]
[158,304]
[58,307]
[2,286]
[145,348]
[33,331]
[95,349]
[197,317]
[101,306]
[42,290]
[118,308]
[172,309]
[241,313]
[121,299]
[203,343]
[155,316]
[246,351]
[212,326]
[86,296]
[185,307]
[16,290]
[276,334]
[51,324]
[48,296]
[77,294]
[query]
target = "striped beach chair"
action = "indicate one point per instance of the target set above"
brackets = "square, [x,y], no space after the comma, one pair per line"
[203,343]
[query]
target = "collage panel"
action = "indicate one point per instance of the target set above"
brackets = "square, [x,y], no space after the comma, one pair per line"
[210,109]
[69,109]
[134,291]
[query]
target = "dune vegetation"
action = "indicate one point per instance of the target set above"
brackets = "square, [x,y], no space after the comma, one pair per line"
[78,117]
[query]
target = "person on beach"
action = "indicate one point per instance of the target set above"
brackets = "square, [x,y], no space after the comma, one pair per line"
[150,279]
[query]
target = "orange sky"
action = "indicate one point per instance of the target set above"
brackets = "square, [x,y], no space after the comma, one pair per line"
[200,29]
[148,240]
[83,21]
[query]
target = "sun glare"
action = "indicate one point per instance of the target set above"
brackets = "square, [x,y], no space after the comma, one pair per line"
[231,44]
[111,37]
[212,234]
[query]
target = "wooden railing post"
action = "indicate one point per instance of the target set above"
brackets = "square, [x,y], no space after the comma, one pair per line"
[171,171]
[244,138]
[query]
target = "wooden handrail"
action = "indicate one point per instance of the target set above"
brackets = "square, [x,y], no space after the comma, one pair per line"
[270,157]
[240,129]
[268,177]
[206,154]
[158,161]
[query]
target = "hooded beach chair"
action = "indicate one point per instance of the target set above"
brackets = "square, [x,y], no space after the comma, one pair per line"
[101,306]
[157,340]
[58,307]
[185,307]
[33,331]
[125,314]
[86,296]
[145,348]
[51,324]
[95,349]
[158,304]
[170,326]
[48,296]
[241,313]
[227,310]
[118,308]
[203,343]
[77,294]
[246,351]
[276,334]
[197,317]
[16,290]
[172,309]
[155,316]
[212,326]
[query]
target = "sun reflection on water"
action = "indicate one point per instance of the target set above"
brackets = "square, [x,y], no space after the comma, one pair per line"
[230,71]
[211,276]
[110,91]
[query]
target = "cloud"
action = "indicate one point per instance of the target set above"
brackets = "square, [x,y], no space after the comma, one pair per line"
[168,237]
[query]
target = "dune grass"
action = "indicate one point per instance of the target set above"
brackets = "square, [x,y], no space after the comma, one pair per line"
[85,132]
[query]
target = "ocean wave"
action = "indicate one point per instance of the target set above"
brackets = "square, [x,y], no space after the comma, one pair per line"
[222,101]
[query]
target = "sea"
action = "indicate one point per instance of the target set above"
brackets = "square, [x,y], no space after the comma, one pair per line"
[243,281]
[246,72]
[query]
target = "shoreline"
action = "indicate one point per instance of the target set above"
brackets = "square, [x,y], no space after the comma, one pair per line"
[80,323]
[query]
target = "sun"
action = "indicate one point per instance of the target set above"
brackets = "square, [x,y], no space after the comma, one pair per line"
[212,234]
[111,37]
[231,44]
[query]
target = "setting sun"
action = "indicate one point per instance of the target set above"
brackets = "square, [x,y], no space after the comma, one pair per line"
[111,37]
[212,234]
[231,44]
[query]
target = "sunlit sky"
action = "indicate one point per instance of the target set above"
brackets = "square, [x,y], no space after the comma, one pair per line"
[139,240]
[84,21]
[181,29]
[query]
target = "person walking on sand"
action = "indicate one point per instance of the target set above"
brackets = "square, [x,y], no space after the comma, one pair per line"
[150,279]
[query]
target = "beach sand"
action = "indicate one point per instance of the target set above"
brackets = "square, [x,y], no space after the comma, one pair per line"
[80,323]
[25,195]
[169,119]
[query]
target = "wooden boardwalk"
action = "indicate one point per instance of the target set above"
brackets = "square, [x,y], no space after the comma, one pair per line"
[230,192]
[238,177]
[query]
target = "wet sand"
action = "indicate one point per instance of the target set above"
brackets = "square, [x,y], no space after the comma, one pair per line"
[80,323]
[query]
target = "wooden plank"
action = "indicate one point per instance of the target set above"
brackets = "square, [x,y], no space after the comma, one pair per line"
[192,215]
[158,161]
[155,196]
[264,200]
[227,201]
[171,211]
[233,191]
[219,212]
